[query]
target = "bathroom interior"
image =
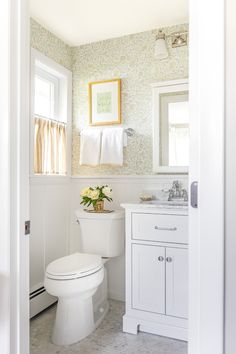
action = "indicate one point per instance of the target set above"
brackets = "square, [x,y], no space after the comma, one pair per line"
[109,189]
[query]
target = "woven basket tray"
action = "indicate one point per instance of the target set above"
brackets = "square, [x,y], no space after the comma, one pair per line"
[98,212]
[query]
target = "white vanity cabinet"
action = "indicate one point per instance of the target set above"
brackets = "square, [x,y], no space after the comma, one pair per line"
[159,280]
[177,282]
[156,271]
[148,278]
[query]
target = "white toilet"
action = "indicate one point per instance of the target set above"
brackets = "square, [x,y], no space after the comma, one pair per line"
[75,279]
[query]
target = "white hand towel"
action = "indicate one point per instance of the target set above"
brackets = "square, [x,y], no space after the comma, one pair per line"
[90,147]
[112,146]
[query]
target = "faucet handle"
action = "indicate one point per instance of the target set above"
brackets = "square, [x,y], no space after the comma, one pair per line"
[171,194]
[185,195]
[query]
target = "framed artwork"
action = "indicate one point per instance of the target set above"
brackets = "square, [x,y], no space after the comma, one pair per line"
[105,102]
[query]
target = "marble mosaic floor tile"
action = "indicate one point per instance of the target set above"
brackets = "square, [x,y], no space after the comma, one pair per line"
[108,338]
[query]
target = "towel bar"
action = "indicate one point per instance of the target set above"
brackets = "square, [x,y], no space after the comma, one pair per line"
[128,131]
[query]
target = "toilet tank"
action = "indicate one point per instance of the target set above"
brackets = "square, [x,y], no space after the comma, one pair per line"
[102,233]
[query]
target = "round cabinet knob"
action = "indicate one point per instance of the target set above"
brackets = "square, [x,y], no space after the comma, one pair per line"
[168,259]
[160,259]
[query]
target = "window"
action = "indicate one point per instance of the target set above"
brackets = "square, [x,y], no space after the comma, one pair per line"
[51,86]
[46,94]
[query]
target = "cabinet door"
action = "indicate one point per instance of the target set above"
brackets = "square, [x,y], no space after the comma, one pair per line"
[177,282]
[148,278]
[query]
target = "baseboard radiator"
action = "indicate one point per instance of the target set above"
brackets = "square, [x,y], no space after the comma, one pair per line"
[40,300]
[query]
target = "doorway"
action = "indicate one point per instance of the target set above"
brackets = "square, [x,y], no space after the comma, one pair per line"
[206,275]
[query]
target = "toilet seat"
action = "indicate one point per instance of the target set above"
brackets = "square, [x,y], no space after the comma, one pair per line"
[74,266]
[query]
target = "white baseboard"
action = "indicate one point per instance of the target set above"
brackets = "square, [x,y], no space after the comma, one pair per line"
[134,325]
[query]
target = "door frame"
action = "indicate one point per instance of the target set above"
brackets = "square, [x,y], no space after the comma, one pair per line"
[206,267]
[14,177]
[206,243]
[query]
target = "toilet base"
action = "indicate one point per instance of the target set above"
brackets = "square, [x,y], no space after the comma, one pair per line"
[101,313]
[71,326]
[80,324]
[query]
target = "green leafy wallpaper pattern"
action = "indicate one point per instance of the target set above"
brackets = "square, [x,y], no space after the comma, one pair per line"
[130,58]
[48,44]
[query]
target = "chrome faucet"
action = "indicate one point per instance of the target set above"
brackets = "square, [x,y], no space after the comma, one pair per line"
[177,192]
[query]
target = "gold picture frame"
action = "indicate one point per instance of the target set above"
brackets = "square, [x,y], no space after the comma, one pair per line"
[105,102]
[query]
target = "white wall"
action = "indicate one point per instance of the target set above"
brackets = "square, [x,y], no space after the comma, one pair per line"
[125,189]
[230,197]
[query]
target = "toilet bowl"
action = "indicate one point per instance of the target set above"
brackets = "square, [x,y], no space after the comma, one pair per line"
[74,279]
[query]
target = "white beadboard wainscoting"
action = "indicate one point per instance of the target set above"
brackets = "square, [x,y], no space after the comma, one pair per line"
[49,239]
[125,189]
[55,232]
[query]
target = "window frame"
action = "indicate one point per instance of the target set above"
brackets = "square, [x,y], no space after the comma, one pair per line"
[55,80]
[40,62]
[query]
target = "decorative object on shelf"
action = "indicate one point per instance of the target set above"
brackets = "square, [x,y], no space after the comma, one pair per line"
[146,197]
[104,102]
[95,196]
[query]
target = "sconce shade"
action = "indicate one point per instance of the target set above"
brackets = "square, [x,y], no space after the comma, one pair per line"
[179,39]
[161,51]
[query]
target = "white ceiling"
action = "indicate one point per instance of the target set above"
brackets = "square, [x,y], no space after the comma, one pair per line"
[84,21]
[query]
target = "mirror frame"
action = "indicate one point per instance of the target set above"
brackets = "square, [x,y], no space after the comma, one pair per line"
[158,89]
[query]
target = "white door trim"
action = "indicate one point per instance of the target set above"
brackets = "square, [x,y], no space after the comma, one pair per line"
[4,182]
[207,167]
[14,151]
[23,166]
[206,239]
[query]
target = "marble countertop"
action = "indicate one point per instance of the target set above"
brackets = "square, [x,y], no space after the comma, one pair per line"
[149,207]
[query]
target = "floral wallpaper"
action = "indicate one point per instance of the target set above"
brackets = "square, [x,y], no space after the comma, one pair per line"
[48,44]
[130,58]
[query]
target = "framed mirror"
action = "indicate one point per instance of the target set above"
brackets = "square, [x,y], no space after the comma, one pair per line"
[171,127]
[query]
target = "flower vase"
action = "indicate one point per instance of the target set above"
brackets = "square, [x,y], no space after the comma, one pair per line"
[99,206]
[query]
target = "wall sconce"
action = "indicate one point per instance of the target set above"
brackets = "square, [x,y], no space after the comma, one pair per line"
[161,51]
[178,39]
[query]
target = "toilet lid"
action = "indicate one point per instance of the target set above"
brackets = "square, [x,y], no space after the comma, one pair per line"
[74,266]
